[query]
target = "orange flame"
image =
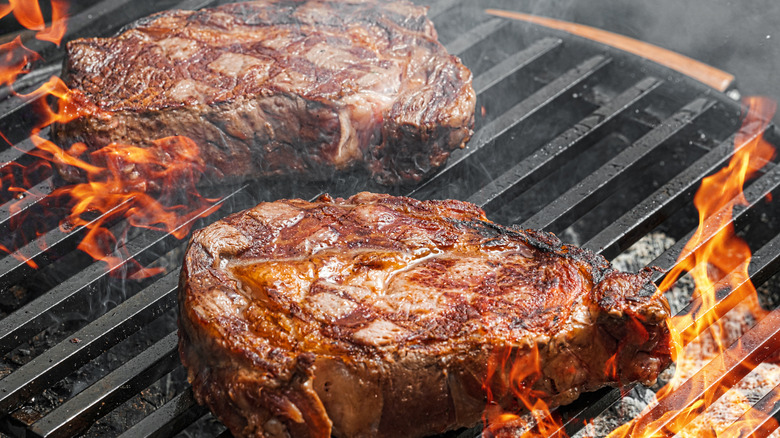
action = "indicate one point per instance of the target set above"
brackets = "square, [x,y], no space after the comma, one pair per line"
[28,14]
[14,56]
[713,252]
[511,375]
[14,59]
[151,187]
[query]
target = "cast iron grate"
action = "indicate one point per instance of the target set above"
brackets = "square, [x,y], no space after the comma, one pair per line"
[572,137]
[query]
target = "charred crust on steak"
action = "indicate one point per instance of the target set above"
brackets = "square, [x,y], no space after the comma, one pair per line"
[272,88]
[378,315]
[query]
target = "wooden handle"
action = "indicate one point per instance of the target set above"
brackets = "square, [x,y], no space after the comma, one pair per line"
[706,74]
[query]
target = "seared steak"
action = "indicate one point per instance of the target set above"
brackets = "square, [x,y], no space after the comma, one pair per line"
[378,316]
[278,87]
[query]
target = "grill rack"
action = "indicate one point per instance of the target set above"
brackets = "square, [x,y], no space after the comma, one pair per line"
[607,96]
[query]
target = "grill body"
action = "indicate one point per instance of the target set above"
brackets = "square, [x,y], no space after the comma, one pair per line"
[596,145]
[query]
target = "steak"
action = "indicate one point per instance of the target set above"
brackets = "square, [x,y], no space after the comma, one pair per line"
[381,316]
[277,87]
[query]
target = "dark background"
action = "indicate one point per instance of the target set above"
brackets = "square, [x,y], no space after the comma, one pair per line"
[741,37]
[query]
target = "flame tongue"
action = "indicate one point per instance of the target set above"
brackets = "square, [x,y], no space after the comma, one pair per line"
[28,14]
[150,186]
[716,258]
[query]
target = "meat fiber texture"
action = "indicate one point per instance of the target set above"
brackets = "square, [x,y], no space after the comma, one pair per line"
[270,88]
[379,316]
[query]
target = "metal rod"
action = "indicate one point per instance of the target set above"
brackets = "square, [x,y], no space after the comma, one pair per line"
[513,117]
[168,419]
[475,35]
[28,320]
[78,413]
[597,186]
[32,197]
[41,251]
[106,331]
[515,63]
[677,409]
[677,192]
[562,148]
[754,425]
[755,193]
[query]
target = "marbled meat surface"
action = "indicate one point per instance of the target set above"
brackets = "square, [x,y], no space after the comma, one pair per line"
[378,316]
[272,88]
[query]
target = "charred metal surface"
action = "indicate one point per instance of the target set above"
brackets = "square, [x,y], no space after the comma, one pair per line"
[104,332]
[78,413]
[491,132]
[598,185]
[560,149]
[169,419]
[666,199]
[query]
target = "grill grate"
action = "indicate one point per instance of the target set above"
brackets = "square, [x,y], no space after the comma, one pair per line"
[571,140]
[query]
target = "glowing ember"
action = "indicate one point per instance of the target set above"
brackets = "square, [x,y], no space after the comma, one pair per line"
[151,187]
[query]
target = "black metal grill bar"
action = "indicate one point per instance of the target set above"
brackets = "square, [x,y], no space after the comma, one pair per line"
[79,412]
[26,321]
[475,35]
[13,268]
[597,186]
[754,194]
[516,115]
[169,419]
[15,207]
[106,331]
[13,154]
[34,78]
[515,63]
[532,169]
[652,210]
[749,425]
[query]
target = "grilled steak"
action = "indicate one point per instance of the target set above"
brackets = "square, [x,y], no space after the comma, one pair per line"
[278,87]
[379,315]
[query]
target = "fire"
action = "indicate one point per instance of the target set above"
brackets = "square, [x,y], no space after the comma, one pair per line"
[511,375]
[28,14]
[716,259]
[714,252]
[150,186]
